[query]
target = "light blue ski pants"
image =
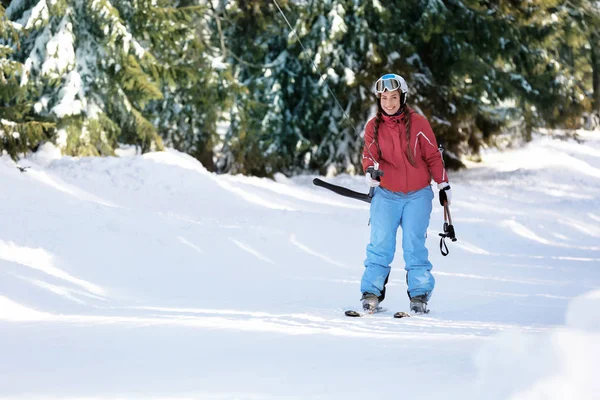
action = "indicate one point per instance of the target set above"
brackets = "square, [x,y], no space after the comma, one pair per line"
[389,211]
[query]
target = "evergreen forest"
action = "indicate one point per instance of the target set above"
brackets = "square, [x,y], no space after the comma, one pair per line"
[258,87]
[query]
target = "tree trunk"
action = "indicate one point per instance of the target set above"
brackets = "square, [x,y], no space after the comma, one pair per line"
[594,42]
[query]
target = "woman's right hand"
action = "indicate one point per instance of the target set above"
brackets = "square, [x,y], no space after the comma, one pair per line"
[370,181]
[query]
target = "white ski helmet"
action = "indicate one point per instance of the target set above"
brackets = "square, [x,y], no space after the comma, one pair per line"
[391,82]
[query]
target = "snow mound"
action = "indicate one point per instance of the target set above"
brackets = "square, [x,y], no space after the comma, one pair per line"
[45,155]
[561,364]
[584,312]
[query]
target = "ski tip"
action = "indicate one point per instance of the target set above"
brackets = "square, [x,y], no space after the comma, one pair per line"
[401,314]
[352,313]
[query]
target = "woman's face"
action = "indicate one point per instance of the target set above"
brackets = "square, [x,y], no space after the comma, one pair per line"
[390,101]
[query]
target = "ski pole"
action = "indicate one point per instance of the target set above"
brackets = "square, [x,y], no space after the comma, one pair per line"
[342,190]
[448,230]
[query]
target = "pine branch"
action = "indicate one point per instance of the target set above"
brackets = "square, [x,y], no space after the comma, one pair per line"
[19,137]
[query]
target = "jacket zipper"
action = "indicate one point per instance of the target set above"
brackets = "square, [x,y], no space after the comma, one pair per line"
[403,147]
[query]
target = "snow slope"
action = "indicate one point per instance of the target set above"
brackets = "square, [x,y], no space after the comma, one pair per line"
[147,277]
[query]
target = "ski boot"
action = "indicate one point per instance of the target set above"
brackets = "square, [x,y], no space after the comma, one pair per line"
[370,302]
[418,304]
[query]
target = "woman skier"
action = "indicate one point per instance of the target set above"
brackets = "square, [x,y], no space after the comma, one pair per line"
[400,144]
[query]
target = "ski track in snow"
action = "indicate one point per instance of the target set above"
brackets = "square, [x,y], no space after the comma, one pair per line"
[381,326]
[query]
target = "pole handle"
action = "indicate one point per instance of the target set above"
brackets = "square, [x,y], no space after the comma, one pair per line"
[376,174]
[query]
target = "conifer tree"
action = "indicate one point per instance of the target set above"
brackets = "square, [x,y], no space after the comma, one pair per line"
[193,97]
[585,21]
[343,55]
[559,74]
[257,139]
[467,60]
[94,75]
[20,131]
[286,116]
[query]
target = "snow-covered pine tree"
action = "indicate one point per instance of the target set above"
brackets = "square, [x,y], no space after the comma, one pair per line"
[566,100]
[193,97]
[577,47]
[284,118]
[472,59]
[259,134]
[550,61]
[19,130]
[94,74]
[250,42]
[341,38]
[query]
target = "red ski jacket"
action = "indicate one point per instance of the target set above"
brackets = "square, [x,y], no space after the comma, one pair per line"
[399,175]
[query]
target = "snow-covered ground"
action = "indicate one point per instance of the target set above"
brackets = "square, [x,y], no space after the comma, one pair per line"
[146,277]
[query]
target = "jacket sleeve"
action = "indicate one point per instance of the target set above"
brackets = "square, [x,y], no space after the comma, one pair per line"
[430,152]
[370,148]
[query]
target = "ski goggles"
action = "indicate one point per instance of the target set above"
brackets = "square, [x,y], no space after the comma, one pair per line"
[390,82]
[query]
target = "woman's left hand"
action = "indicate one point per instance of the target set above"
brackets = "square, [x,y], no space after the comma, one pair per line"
[445,193]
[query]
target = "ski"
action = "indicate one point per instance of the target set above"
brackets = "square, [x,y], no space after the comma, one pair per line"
[399,314]
[402,314]
[352,313]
